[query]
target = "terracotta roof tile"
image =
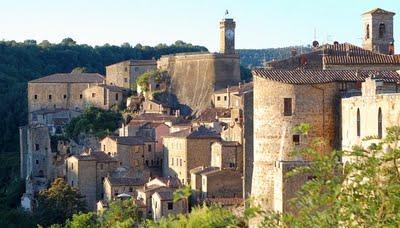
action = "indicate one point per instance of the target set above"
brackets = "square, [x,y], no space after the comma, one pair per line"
[125,181]
[98,156]
[324,76]
[212,114]
[71,78]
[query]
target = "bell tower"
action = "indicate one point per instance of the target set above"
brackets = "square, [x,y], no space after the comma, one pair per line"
[227,36]
[378,31]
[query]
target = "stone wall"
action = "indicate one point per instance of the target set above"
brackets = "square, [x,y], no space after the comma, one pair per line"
[194,77]
[56,95]
[175,158]
[101,97]
[248,135]
[273,131]
[125,74]
[222,184]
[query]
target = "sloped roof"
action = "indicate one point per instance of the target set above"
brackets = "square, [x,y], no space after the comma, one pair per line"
[211,114]
[378,11]
[71,78]
[130,140]
[165,193]
[237,89]
[98,156]
[324,76]
[125,181]
[199,132]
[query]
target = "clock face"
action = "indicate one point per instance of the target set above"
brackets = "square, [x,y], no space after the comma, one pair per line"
[229,34]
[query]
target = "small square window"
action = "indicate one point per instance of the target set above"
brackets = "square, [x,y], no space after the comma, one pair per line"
[65,96]
[287,106]
[218,98]
[125,79]
[80,96]
[37,147]
[49,97]
[170,206]
[93,94]
[35,97]
[225,98]
[296,139]
[37,162]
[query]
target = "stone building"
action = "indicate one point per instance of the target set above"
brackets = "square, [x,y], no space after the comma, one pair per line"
[187,149]
[163,204]
[227,155]
[87,172]
[134,152]
[285,98]
[154,106]
[195,76]
[146,192]
[368,115]
[105,96]
[60,91]
[378,31]
[124,74]
[114,186]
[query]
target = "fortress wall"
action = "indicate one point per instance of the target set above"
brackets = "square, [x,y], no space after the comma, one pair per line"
[273,135]
[73,92]
[195,77]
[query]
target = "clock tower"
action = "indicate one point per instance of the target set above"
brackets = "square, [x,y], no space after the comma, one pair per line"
[227,36]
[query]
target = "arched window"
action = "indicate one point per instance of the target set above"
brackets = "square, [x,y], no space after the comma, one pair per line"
[380,123]
[358,123]
[367,32]
[382,30]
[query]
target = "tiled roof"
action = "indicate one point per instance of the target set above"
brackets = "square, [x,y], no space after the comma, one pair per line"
[201,169]
[71,78]
[137,62]
[165,193]
[154,117]
[211,114]
[229,143]
[98,156]
[378,11]
[237,89]
[130,140]
[324,76]
[342,54]
[125,181]
[199,132]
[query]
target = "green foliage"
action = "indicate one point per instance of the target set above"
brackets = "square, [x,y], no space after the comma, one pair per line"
[58,203]
[83,220]
[182,193]
[94,121]
[252,58]
[245,74]
[156,75]
[200,217]
[363,193]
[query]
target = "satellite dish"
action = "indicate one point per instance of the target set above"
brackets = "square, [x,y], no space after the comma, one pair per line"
[315,44]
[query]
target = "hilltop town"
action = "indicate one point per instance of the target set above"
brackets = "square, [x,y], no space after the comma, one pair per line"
[189,120]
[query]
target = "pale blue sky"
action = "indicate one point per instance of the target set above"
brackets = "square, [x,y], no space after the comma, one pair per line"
[260,23]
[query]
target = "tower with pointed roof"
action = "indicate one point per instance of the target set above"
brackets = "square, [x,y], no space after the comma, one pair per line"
[378,31]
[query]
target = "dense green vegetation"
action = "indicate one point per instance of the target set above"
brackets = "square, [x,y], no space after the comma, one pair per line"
[255,57]
[95,121]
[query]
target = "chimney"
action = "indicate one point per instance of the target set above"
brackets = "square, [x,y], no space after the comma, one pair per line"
[240,85]
[227,89]
[90,151]
[293,52]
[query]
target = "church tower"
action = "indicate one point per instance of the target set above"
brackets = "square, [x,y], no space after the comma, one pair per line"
[378,31]
[227,36]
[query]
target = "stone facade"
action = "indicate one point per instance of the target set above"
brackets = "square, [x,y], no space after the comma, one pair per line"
[378,31]
[227,155]
[368,115]
[114,186]
[60,91]
[105,96]
[163,204]
[185,150]
[124,74]
[87,172]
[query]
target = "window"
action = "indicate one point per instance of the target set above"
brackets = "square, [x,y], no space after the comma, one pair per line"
[225,98]
[37,162]
[93,94]
[72,166]
[180,162]
[170,206]
[172,161]
[104,147]
[102,179]
[149,148]
[35,97]
[72,183]
[382,30]
[101,166]
[218,98]
[116,96]
[296,139]
[380,123]
[147,162]
[358,123]
[125,79]
[65,96]
[37,147]
[50,97]
[80,96]
[231,165]
[367,32]
[287,109]
[130,189]
[126,69]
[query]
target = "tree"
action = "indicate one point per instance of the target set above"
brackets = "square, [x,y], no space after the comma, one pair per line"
[364,193]
[87,220]
[58,203]
[68,42]
[121,213]
[79,70]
